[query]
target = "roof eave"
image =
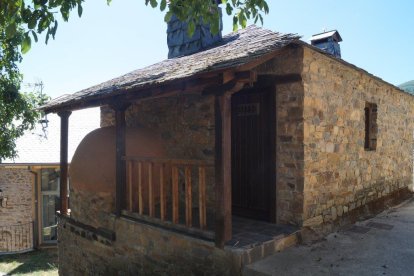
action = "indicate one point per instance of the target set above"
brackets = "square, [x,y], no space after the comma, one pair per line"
[160,88]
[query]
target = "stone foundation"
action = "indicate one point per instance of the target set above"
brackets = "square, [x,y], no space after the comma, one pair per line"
[320,229]
[140,249]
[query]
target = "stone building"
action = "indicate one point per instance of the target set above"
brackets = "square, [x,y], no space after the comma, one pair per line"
[29,184]
[208,162]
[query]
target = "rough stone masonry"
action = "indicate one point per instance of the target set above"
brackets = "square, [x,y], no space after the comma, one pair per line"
[324,174]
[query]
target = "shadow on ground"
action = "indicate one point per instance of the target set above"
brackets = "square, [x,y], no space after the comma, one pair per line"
[42,262]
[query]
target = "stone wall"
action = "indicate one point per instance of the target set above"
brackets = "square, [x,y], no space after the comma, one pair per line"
[289,134]
[17,186]
[340,175]
[140,249]
[185,124]
[17,215]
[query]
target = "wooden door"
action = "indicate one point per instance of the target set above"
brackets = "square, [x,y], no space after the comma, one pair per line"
[252,165]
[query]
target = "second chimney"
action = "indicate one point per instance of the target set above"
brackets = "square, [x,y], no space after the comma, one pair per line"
[328,42]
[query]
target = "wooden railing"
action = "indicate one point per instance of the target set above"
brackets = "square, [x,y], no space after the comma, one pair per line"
[163,191]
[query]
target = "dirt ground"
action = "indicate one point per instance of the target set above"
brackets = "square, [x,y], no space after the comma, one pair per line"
[382,245]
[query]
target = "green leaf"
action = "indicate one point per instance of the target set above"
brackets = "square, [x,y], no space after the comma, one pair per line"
[265,7]
[26,43]
[11,30]
[235,23]
[242,19]
[47,36]
[34,36]
[65,13]
[163,5]
[31,24]
[168,16]
[80,9]
[153,3]
[261,18]
[191,28]
[229,9]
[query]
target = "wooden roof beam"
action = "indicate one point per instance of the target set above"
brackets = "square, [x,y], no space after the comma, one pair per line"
[232,81]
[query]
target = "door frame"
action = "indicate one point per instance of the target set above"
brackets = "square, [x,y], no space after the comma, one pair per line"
[270,88]
[39,203]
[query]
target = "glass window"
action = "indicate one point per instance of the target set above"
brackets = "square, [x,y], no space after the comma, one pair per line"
[50,202]
[50,179]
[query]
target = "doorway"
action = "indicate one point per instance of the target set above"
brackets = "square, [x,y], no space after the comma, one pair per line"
[253,153]
[49,204]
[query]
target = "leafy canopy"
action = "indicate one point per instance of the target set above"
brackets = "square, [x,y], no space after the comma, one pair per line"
[21,21]
[17,110]
[41,16]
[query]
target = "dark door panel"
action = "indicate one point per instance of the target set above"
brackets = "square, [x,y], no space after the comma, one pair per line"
[251,153]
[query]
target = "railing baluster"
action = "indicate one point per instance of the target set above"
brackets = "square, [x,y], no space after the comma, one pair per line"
[162,193]
[130,166]
[140,203]
[150,191]
[175,195]
[202,196]
[146,202]
[188,198]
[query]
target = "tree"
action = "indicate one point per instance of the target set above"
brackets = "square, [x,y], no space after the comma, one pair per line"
[21,21]
[17,110]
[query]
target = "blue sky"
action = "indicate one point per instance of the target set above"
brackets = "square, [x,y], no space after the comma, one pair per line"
[110,41]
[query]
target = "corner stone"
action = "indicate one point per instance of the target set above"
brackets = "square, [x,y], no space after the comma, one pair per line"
[313,221]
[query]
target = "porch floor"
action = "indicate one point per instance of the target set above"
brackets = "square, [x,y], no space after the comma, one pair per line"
[248,233]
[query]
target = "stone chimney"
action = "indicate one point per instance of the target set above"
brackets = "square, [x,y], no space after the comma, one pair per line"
[328,42]
[180,44]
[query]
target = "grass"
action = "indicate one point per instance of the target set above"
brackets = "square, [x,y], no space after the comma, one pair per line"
[37,263]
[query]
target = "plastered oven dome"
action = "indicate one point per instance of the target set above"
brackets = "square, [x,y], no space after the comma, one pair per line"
[93,165]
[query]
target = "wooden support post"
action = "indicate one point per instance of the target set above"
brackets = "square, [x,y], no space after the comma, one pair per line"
[188,197]
[130,198]
[175,195]
[223,226]
[64,132]
[202,197]
[120,197]
[163,200]
[140,197]
[151,207]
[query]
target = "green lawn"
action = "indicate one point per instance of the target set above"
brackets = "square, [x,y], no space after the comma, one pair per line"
[37,263]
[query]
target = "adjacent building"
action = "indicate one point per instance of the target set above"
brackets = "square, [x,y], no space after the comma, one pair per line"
[29,183]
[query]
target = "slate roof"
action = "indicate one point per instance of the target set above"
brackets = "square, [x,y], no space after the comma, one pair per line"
[236,49]
[34,148]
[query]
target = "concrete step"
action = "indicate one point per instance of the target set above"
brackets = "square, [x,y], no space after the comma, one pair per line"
[265,251]
[262,250]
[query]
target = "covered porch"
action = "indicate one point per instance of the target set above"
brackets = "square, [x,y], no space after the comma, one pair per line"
[198,197]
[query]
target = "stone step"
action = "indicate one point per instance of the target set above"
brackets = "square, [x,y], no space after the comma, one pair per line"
[266,249]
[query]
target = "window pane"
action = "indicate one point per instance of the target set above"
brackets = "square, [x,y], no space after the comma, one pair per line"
[50,204]
[50,179]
